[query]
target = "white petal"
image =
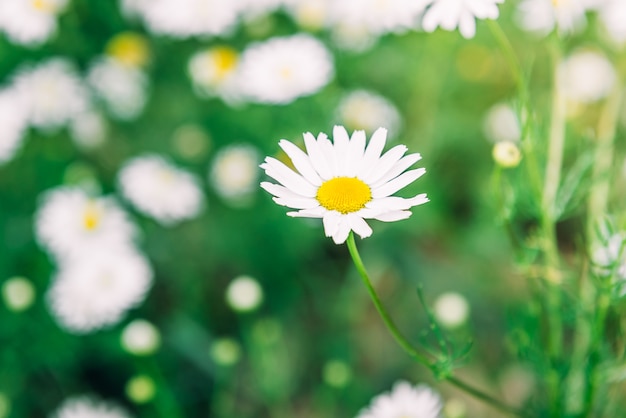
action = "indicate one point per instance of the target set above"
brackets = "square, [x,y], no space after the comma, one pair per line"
[384,164]
[372,153]
[318,160]
[355,153]
[342,232]
[330,156]
[288,178]
[331,221]
[397,183]
[393,216]
[358,225]
[308,213]
[394,203]
[301,161]
[278,190]
[404,163]
[467,25]
[342,145]
[297,203]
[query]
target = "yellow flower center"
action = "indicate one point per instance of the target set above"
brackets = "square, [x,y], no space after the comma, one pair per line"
[225,60]
[129,48]
[43,6]
[91,217]
[344,194]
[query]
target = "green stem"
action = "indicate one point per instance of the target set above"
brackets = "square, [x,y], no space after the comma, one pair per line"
[404,343]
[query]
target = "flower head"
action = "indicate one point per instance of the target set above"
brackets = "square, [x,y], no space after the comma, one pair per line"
[85,407]
[404,401]
[366,110]
[450,14]
[30,22]
[543,16]
[344,183]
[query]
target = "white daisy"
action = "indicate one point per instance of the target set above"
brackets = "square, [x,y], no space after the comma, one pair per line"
[122,88]
[586,76]
[405,401]
[377,16]
[345,182]
[502,124]
[85,407]
[160,190]
[234,171]
[543,16]
[309,14]
[53,93]
[185,18]
[284,68]
[244,294]
[129,48]
[252,9]
[366,110]
[214,73]
[450,14]
[141,338]
[97,289]
[613,15]
[30,22]
[70,223]
[13,120]
[89,129]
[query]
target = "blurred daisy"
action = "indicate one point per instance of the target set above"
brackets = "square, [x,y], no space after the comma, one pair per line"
[282,69]
[378,17]
[96,290]
[365,110]
[160,190]
[85,407]
[185,18]
[405,401]
[501,124]
[543,16]
[244,294]
[612,14]
[309,14]
[13,120]
[89,129]
[141,338]
[53,93]
[234,172]
[586,76]
[344,183]
[122,88]
[70,223]
[30,22]
[129,48]
[451,309]
[214,72]
[252,9]
[450,14]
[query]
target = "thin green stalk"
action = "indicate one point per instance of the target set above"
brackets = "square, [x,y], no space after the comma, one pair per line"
[404,343]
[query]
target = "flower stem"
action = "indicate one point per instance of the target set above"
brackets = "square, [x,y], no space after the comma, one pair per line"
[404,343]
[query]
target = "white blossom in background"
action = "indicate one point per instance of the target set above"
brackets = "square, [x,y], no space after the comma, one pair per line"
[214,73]
[30,22]
[310,14]
[89,129]
[244,294]
[282,69]
[129,48]
[97,289]
[86,407]
[502,124]
[70,223]
[13,123]
[186,18]
[544,16]
[234,172]
[18,294]
[140,338]
[451,309]
[612,14]
[160,190]
[368,111]
[53,93]
[251,9]
[461,14]
[378,16]
[122,88]
[586,76]
[404,401]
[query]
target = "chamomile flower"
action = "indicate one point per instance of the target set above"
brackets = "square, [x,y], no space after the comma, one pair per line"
[122,88]
[97,289]
[70,223]
[543,16]
[309,14]
[89,129]
[405,401]
[129,48]
[13,120]
[377,16]
[450,14]
[613,14]
[214,72]
[366,110]
[344,183]
[234,172]
[502,124]
[586,76]
[161,190]
[53,93]
[30,22]
[85,407]
[282,69]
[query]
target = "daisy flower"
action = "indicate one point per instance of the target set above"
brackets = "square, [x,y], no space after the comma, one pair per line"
[344,183]
[214,72]
[234,172]
[70,223]
[502,124]
[13,119]
[96,290]
[450,14]
[30,22]
[377,16]
[129,48]
[586,76]
[85,407]
[53,93]
[366,110]
[613,15]
[309,14]
[405,401]
[282,69]
[543,16]
[160,190]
